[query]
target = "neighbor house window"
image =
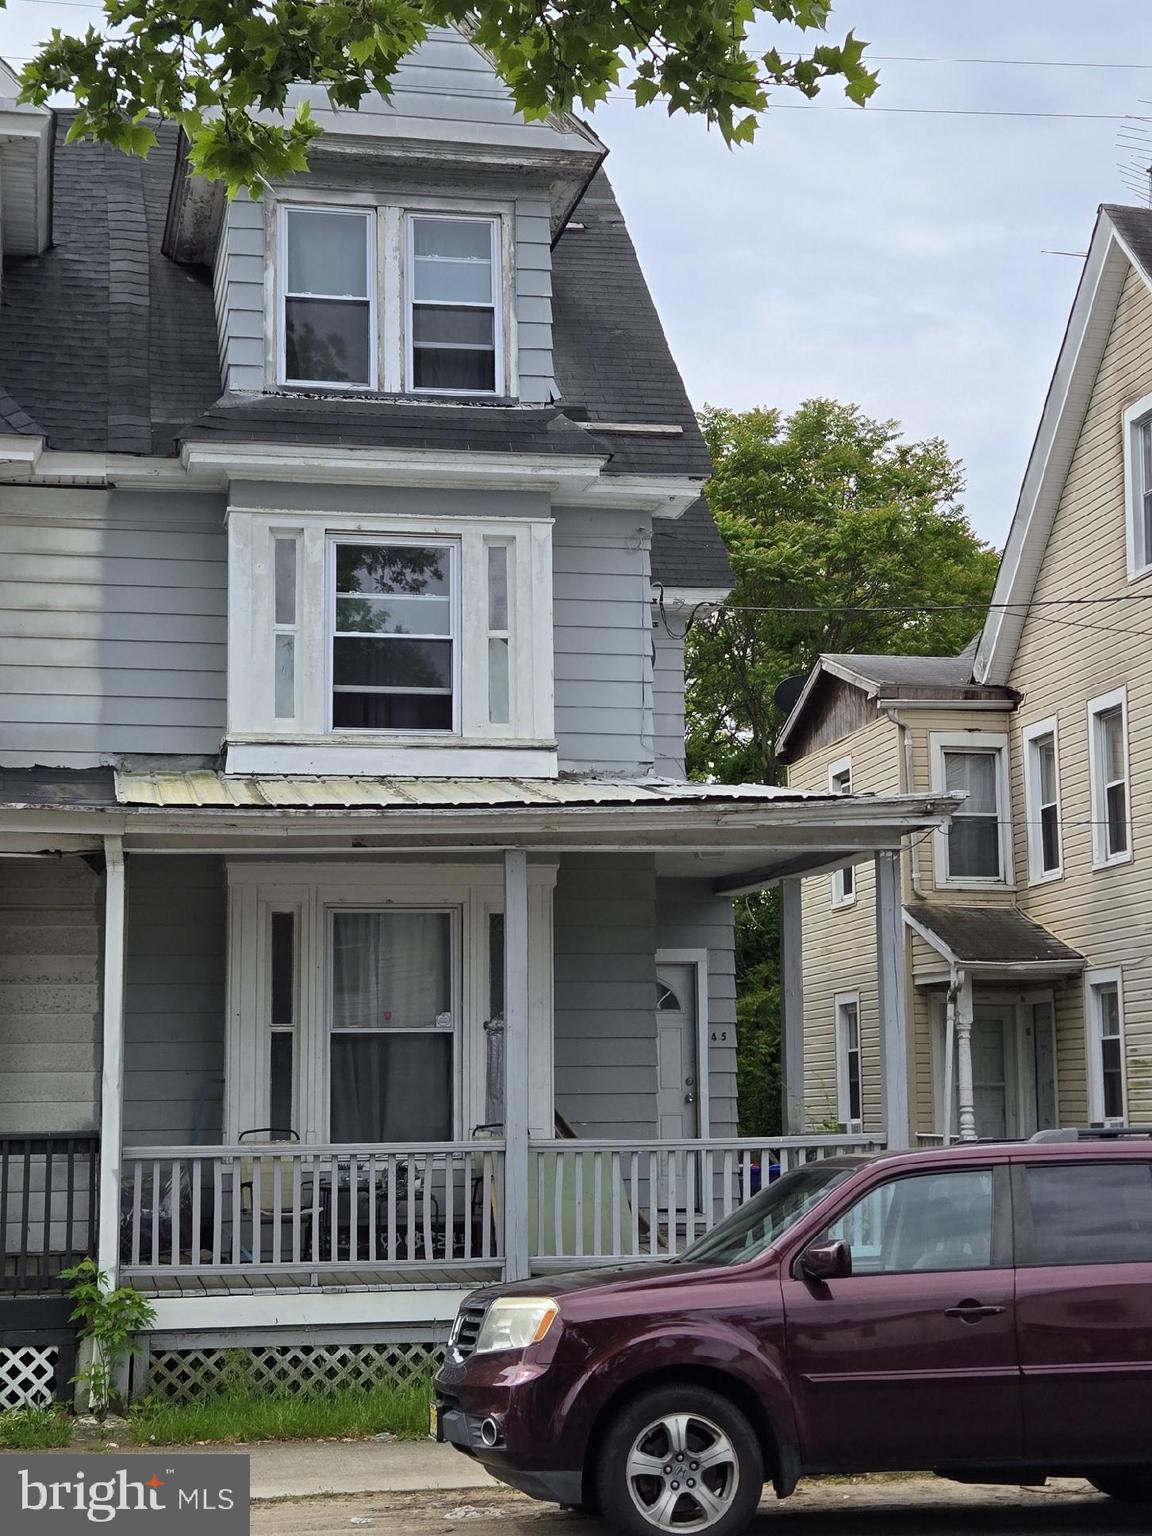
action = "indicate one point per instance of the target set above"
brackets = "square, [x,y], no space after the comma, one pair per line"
[849,1094]
[329,327]
[975,847]
[1138,484]
[1042,797]
[453,276]
[1108,767]
[392,1033]
[1104,1009]
[393,636]
[843,880]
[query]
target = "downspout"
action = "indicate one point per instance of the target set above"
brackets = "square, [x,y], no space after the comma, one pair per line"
[905,741]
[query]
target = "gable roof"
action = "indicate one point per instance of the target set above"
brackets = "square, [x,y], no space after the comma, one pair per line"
[1121,242]
[107,345]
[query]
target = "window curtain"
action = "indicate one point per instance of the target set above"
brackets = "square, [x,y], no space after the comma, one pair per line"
[391,1046]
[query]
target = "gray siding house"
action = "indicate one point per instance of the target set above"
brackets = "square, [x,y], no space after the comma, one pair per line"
[360,937]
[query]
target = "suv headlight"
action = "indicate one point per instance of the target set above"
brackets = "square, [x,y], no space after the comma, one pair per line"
[514,1322]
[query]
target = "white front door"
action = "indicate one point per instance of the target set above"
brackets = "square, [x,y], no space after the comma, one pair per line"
[677,1075]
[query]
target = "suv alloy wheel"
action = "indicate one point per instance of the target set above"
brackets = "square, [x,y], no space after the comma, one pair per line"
[680,1459]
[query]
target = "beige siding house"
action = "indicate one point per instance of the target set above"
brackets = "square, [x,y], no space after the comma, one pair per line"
[1028,940]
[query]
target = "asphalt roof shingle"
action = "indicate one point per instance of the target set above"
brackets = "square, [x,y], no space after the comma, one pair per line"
[110,346]
[993,935]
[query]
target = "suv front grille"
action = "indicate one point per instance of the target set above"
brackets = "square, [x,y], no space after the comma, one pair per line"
[467,1329]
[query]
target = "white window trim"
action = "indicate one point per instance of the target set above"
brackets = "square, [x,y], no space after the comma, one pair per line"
[455,603]
[979,741]
[841,1002]
[372,267]
[258,742]
[1139,559]
[499,305]
[1102,977]
[840,898]
[1101,858]
[1037,874]
[698,959]
[389,289]
[473,892]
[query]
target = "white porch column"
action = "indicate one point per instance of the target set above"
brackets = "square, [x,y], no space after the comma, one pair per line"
[893,1000]
[516,995]
[112,1068]
[792,1005]
[965,1093]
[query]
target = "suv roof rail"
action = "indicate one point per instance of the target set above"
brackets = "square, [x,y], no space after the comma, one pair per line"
[1092,1133]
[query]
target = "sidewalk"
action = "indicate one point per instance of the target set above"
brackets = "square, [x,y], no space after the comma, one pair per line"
[301,1469]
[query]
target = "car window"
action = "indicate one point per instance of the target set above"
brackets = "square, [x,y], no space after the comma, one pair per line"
[1091,1213]
[767,1216]
[932,1221]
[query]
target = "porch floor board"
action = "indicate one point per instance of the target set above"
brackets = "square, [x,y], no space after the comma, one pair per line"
[328,1282]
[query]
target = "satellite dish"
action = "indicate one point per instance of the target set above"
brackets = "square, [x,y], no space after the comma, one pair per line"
[788,692]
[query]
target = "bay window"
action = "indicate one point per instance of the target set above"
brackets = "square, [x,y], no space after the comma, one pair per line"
[975,850]
[390,645]
[378,296]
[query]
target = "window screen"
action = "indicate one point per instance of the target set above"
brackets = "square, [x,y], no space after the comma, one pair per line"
[453,289]
[1091,1213]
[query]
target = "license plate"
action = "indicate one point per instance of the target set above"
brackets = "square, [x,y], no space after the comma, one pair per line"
[435,1427]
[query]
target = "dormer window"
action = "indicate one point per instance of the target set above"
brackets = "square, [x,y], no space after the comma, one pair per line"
[329,320]
[381,297]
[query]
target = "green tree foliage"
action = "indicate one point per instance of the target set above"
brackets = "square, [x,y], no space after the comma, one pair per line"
[842,537]
[213,64]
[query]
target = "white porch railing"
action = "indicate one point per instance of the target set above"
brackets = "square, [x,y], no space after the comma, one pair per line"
[282,1208]
[613,1201]
[285,1207]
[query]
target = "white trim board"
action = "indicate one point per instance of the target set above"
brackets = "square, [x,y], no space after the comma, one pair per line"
[302,1309]
[1085,339]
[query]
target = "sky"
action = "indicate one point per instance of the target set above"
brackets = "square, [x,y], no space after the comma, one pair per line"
[897,259]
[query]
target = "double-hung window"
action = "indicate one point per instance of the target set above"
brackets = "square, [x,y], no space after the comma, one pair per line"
[392,298]
[1105,1018]
[1042,798]
[844,879]
[453,269]
[849,1096]
[393,636]
[1138,484]
[975,849]
[1108,773]
[329,322]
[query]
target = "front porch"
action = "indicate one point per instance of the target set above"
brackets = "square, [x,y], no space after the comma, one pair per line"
[356,1059]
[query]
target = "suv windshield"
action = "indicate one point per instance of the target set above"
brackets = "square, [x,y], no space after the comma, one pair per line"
[767,1216]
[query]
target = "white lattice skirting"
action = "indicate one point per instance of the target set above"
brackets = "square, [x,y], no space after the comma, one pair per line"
[27,1376]
[186,1374]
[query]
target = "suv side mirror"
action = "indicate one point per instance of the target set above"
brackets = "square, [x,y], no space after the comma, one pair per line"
[826,1261]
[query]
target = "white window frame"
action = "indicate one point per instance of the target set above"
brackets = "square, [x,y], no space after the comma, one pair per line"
[841,1003]
[1101,857]
[474,891]
[1094,982]
[1139,556]
[258,741]
[364,215]
[388,288]
[1031,736]
[454,604]
[941,742]
[409,292]
[844,878]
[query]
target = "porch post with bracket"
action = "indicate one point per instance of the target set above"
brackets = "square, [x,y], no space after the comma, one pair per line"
[792,1005]
[112,1068]
[516,1151]
[965,1093]
[892,997]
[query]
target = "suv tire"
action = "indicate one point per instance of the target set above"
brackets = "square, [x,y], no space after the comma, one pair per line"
[1131,1487]
[679,1459]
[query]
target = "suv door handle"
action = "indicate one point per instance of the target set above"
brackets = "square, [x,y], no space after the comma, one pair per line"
[972,1311]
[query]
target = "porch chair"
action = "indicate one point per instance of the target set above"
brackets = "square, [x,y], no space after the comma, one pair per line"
[258,1206]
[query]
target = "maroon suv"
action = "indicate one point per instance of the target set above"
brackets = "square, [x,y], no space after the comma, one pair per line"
[981,1311]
